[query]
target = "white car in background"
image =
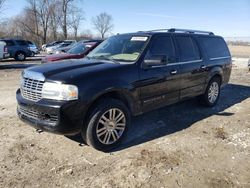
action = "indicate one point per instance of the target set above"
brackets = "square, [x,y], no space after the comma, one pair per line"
[249,64]
[2,50]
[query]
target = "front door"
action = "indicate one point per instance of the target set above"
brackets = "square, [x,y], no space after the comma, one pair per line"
[159,85]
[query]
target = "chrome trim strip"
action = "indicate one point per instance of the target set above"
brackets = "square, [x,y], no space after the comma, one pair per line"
[33,75]
[177,63]
[186,62]
[217,58]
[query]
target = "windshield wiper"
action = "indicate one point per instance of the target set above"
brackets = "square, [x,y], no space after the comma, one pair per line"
[102,57]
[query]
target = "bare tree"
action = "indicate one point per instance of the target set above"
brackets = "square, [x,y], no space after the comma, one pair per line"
[103,23]
[1,5]
[76,16]
[56,14]
[65,9]
[40,11]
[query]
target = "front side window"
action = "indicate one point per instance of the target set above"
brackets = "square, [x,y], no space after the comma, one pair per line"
[162,46]
[121,48]
[188,49]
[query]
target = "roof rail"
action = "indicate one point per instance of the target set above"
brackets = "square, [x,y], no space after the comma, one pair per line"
[155,30]
[174,30]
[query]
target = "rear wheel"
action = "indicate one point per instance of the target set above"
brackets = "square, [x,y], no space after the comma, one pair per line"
[211,96]
[20,56]
[106,125]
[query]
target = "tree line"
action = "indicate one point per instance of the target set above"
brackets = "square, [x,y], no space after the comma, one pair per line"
[43,21]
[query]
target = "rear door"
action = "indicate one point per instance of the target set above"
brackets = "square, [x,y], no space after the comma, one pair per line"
[160,84]
[192,66]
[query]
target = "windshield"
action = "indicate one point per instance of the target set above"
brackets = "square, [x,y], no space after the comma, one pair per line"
[123,48]
[77,49]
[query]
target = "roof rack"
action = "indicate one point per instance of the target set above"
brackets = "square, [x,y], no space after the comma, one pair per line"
[174,30]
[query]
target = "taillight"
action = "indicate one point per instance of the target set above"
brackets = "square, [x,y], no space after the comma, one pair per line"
[5,49]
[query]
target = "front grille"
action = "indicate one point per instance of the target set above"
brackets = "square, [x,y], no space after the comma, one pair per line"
[31,89]
[34,114]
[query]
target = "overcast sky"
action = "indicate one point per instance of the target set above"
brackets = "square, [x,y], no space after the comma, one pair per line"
[230,18]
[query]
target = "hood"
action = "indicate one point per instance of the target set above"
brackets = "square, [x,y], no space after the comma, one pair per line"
[68,70]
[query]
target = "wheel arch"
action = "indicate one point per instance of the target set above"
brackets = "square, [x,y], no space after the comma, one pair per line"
[119,94]
[18,51]
[216,72]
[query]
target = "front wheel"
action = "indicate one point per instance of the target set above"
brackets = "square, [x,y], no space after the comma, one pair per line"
[106,125]
[211,96]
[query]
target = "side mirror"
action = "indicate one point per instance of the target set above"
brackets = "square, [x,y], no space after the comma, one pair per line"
[157,60]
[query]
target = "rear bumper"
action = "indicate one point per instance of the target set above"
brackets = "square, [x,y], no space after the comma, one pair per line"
[6,55]
[58,117]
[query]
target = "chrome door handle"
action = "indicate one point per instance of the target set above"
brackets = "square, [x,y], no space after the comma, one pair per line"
[203,67]
[173,72]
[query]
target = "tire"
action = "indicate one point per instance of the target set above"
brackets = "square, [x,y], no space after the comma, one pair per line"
[101,120]
[20,56]
[212,94]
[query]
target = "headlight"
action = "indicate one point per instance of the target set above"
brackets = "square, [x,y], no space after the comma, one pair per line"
[59,91]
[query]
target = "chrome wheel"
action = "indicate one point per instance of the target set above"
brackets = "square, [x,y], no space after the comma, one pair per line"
[213,92]
[21,56]
[111,126]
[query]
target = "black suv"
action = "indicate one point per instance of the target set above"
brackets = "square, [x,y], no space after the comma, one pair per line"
[18,49]
[128,74]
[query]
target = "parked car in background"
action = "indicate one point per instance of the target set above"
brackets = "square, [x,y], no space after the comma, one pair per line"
[126,75]
[17,49]
[65,49]
[249,64]
[80,50]
[44,46]
[52,49]
[2,50]
[33,48]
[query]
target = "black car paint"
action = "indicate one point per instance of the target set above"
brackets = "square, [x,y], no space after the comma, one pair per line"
[141,88]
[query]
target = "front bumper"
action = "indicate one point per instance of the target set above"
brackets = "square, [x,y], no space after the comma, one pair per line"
[60,117]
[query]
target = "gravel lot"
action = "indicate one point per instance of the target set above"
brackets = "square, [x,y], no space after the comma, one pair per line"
[183,145]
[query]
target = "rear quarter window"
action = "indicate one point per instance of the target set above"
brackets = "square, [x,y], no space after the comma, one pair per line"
[9,43]
[215,47]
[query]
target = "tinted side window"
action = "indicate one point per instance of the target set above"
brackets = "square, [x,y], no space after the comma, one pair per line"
[9,43]
[22,43]
[215,47]
[188,48]
[162,45]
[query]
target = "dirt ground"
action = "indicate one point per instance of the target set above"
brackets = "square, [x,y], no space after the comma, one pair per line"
[183,145]
[240,51]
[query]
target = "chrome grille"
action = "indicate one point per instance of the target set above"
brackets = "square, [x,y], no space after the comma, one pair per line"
[31,89]
[34,114]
